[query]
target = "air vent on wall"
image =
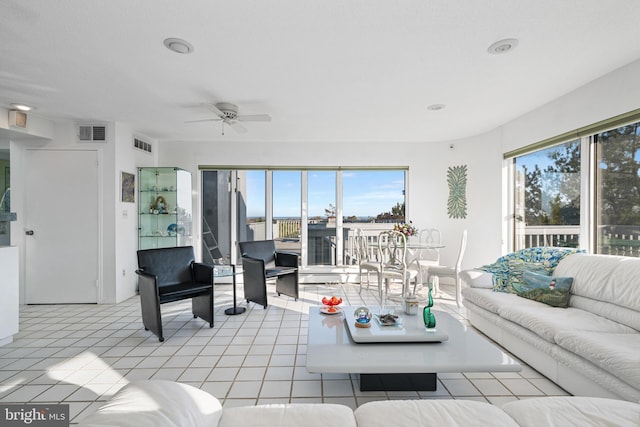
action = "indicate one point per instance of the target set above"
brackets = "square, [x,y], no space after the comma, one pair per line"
[88,133]
[142,145]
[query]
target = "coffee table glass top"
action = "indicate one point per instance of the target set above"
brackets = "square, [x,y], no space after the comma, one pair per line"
[330,349]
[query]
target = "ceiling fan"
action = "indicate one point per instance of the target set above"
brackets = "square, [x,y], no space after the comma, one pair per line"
[227,113]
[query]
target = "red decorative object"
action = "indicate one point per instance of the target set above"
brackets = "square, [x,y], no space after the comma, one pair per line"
[331,303]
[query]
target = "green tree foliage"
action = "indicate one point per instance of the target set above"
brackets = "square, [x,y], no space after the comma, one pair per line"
[618,168]
[552,195]
[396,214]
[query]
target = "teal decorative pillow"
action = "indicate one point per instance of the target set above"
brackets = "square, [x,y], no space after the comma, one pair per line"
[507,280]
[550,290]
[538,259]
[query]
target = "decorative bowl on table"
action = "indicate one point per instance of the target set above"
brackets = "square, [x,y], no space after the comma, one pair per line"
[331,305]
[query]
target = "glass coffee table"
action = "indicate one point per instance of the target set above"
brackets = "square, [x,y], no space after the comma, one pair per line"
[393,364]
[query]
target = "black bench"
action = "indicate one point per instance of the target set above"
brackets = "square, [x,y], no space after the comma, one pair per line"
[171,274]
[261,262]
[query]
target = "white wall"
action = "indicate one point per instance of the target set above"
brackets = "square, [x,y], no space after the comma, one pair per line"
[616,93]
[427,192]
[613,94]
[125,245]
[608,96]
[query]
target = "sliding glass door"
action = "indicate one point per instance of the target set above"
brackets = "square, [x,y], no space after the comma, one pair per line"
[312,212]
[287,213]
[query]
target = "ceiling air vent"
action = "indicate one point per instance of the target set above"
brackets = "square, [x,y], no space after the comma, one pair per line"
[88,133]
[142,145]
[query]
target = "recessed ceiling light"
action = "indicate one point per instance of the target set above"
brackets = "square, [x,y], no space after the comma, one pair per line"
[178,45]
[503,46]
[21,107]
[436,107]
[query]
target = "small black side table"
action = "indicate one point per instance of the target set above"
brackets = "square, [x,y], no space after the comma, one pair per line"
[226,273]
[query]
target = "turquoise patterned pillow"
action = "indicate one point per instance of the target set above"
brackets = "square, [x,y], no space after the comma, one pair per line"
[550,290]
[515,268]
[543,259]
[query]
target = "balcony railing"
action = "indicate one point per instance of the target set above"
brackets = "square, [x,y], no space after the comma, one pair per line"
[612,240]
[625,242]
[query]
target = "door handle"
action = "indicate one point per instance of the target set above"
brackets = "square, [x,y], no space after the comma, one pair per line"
[29,232]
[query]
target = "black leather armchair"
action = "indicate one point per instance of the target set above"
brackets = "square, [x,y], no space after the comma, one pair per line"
[260,262]
[171,274]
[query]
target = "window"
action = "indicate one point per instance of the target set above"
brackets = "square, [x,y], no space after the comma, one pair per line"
[252,207]
[287,205]
[618,191]
[582,192]
[321,222]
[313,212]
[547,199]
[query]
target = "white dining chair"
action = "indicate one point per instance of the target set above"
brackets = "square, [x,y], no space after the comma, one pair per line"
[392,247]
[367,261]
[453,272]
[426,256]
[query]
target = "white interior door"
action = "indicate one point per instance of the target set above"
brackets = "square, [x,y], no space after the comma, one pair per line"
[62,226]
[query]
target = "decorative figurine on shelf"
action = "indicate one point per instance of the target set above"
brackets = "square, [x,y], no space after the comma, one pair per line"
[160,205]
[428,317]
[363,317]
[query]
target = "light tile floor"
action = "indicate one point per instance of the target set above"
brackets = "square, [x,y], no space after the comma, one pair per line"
[82,355]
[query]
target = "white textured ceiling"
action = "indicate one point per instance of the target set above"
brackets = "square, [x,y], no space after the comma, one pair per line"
[325,70]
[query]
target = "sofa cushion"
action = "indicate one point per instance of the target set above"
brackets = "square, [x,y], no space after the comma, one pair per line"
[564,411]
[422,413]
[607,278]
[550,290]
[492,301]
[289,415]
[618,354]
[547,321]
[626,316]
[157,403]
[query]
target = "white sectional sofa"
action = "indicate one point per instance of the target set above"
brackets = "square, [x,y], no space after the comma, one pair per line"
[171,404]
[591,348]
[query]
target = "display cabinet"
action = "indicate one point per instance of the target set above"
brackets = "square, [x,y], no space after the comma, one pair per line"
[165,210]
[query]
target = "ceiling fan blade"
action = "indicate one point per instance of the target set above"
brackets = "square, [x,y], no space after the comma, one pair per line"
[254,118]
[237,126]
[203,120]
[215,110]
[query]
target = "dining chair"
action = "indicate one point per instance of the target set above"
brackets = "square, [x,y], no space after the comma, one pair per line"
[367,261]
[426,256]
[392,247]
[453,272]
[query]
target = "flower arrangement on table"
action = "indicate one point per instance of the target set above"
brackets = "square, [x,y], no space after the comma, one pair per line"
[406,228]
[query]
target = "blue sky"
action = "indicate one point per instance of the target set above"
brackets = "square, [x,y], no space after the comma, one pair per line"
[365,193]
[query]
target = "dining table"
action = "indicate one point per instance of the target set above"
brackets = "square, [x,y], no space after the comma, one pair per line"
[414,250]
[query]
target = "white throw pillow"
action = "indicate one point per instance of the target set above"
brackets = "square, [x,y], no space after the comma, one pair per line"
[159,404]
[477,279]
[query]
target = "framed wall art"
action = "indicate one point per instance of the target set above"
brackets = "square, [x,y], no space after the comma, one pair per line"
[128,187]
